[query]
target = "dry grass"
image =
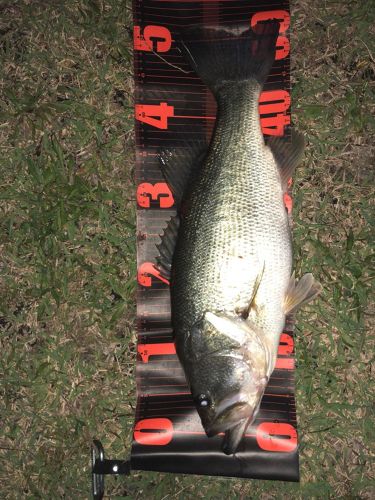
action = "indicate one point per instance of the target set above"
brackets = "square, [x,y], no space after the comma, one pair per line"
[334,94]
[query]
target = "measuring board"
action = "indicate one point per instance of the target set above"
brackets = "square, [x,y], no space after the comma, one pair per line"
[174,106]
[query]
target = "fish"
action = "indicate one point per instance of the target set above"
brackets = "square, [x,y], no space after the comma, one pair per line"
[228,251]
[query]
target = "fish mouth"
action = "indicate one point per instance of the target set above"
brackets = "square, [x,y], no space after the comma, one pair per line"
[229,414]
[234,436]
[233,421]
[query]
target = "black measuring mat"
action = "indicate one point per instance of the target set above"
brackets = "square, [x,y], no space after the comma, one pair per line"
[174,106]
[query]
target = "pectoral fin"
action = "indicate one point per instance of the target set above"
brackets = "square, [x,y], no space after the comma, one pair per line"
[301,292]
[252,303]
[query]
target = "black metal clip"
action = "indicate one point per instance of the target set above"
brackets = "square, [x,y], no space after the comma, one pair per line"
[100,466]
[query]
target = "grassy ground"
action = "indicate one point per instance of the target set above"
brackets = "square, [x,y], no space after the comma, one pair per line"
[68,251]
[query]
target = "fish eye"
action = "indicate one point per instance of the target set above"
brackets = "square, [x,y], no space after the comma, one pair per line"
[203,400]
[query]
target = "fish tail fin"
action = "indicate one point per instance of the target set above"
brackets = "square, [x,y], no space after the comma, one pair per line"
[220,55]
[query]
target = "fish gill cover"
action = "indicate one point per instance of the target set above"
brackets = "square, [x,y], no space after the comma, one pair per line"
[175,109]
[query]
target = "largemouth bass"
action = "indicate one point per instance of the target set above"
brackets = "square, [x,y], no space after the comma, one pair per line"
[228,252]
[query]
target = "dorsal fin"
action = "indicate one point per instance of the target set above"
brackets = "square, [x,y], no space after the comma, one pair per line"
[166,247]
[287,155]
[179,164]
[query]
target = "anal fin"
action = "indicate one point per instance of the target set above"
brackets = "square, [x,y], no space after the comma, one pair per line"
[301,292]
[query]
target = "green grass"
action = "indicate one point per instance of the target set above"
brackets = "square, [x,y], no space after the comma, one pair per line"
[68,252]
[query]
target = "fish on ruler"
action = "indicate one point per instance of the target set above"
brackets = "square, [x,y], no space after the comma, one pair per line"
[228,251]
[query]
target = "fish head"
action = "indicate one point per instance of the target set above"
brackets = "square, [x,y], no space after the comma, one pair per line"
[227,373]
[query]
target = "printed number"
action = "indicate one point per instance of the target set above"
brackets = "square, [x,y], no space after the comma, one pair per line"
[168,348]
[145,271]
[147,350]
[154,114]
[281,15]
[282,47]
[154,38]
[159,192]
[276,437]
[282,43]
[274,125]
[274,101]
[153,431]
[285,349]
[286,345]
[277,102]
[270,436]
[288,202]
[284,364]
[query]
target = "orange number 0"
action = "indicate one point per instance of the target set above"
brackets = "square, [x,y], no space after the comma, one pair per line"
[279,437]
[153,431]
